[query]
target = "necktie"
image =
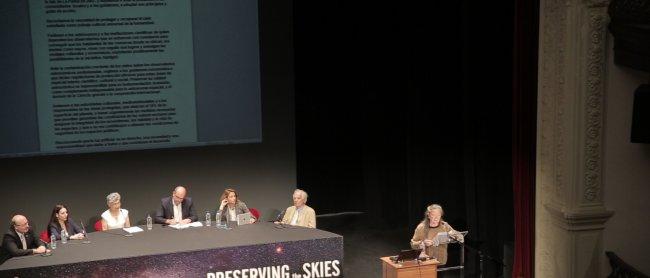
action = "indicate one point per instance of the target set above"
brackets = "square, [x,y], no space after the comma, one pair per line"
[22,239]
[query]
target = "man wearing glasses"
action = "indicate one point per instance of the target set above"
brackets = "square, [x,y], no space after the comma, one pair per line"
[20,240]
[176,209]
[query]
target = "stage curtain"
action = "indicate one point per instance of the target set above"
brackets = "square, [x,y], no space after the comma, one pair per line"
[524,134]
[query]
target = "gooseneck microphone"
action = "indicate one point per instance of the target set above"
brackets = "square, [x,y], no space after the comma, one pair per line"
[124,216]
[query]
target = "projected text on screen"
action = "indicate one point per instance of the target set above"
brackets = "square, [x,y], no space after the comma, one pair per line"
[113,74]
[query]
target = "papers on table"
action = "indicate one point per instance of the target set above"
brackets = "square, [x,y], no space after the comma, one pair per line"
[183,226]
[131,230]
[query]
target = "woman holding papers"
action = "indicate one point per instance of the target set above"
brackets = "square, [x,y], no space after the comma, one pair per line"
[426,234]
[60,220]
[115,217]
[231,206]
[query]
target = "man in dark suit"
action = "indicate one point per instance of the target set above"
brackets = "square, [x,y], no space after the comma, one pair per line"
[20,240]
[176,209]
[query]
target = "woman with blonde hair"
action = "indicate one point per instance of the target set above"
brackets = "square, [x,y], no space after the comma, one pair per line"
[427,231]
[115,216]
[230,206]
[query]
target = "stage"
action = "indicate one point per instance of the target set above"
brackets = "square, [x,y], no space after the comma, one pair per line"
[256,250]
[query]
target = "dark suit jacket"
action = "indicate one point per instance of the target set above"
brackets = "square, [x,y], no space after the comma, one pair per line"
[12,247]
[166,210]
[72,228]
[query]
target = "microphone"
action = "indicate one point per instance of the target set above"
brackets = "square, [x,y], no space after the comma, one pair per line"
[124,216]
[83,231]
[280,215]
[278,219]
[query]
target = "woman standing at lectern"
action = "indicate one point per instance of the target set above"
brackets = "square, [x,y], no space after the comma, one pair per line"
[426,232]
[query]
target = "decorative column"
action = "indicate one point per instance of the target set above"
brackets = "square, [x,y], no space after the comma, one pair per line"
[570,213]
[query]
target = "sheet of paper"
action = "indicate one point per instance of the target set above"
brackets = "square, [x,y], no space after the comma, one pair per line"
[443,238]
[131,230]
[183,226]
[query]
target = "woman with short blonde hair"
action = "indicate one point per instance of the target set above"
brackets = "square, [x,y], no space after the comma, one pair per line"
[115,216]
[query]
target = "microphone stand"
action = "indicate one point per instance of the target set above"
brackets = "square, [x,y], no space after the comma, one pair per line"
[481,257]
[83,229]
[124,216]
[461,266]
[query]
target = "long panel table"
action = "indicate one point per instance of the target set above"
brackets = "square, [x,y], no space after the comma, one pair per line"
[257,250]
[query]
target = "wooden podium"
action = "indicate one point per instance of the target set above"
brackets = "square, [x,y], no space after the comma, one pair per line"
[409,269]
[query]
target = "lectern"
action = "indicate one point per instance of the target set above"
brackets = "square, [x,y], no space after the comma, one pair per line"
[408,269]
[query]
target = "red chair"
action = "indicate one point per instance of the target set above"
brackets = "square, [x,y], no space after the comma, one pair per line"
[45,237]
[255,214]
[98,225]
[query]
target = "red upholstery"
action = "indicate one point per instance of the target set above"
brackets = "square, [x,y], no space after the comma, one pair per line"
[255,213]
[98,225]
[45,237]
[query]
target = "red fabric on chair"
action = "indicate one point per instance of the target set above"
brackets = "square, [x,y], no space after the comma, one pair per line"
[98,225]
[255,213]
[45,236]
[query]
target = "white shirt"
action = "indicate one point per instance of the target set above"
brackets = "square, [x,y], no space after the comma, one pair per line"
[294,219]
[22,240]
[113,223]
[233,214]
[178,211]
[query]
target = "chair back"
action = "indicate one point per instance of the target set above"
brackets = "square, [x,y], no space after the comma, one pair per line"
[255,214]
[45,237]
[98,225]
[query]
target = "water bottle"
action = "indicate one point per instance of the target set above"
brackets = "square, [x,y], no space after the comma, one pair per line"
[64,237]
[149,222]
[53,242]
[208,219]
[218,219]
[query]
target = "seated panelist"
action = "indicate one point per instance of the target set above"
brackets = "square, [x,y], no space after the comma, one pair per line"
[20,240]
[60,221]
[115,217]
[230,206]
[300,214]
[176,209]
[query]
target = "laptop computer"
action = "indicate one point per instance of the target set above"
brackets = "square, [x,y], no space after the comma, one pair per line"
[243,219]
[407,255]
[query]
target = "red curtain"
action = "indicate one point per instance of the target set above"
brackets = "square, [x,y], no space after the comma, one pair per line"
[524,128]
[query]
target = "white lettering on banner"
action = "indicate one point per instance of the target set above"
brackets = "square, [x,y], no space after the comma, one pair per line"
[310,270]
[278,271]
[321,269]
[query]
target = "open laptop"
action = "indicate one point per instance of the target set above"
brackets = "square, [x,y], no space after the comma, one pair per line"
[243,219]
[407,255]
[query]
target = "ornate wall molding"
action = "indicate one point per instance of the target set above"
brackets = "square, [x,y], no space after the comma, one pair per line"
[582,221]
[551,104]
[594,92]
[570,214]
